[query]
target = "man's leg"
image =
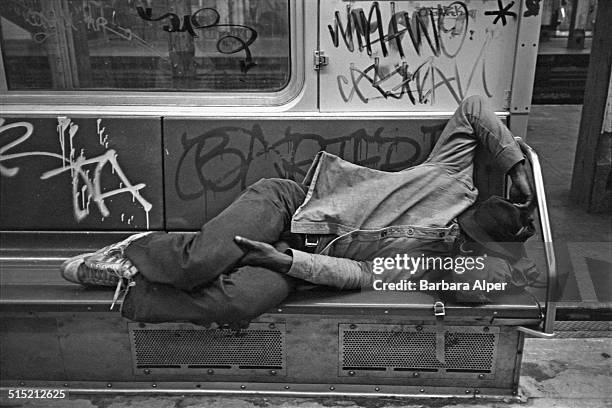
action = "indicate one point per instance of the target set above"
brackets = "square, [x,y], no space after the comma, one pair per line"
[474,123]
[186,261]
[232,299]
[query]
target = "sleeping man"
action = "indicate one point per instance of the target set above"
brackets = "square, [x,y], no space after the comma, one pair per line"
[327,230]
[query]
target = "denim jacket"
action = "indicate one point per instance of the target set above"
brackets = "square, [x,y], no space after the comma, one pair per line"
[375,213]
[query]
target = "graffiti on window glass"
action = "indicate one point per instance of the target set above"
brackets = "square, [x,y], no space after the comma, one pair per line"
[193,45]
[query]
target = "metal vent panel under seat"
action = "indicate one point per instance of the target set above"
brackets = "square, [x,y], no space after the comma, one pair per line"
[175,348]
[410,350]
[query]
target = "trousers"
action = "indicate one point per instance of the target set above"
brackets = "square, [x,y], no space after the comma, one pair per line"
[193,277]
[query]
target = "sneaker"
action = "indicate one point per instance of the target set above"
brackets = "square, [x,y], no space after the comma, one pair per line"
[75,271]
[107,267]
[84,270]
[104,267]
[118,274]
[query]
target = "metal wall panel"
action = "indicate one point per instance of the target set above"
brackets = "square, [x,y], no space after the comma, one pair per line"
[209,162]
[309,347]
[525,56]
[30,348]
[417,56]
[94,346]
[80,174]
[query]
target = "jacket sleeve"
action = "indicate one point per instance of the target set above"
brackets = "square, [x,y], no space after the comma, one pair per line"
[475,123]
[341,273]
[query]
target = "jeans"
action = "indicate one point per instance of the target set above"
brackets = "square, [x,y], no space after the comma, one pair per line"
[193,277]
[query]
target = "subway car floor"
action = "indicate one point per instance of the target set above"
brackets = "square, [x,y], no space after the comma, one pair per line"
[583,241]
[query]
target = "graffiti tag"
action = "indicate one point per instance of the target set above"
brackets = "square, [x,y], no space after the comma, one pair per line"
[438,26]
[85,173]
[419,85]
[291,156]
[533,8]
[501,12]
[240,37]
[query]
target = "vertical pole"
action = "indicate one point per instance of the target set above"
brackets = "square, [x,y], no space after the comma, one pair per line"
[572,26]
[60,45]
[591,139]
[182,49]
[3,79]
[578,24]
[81,49]
[525,57]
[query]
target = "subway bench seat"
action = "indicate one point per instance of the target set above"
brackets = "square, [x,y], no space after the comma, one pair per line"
[317,342]
[322,341]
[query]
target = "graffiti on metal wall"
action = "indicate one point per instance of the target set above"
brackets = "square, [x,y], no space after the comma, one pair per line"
[533,8]
[233,37]
[418,85]
[502,12]
[86,173]
[414,55]
[291,155]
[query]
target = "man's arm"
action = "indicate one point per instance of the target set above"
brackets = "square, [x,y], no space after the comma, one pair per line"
[520,193]
[341,273]
[475,123]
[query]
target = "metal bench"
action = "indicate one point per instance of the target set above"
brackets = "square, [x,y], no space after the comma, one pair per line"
[319,341]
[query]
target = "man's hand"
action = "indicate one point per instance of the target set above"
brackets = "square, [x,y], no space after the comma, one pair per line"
[263,255]
[521,188]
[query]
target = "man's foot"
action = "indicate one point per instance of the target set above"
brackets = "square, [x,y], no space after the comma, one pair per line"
[91,269]
[107,267]
[101,268]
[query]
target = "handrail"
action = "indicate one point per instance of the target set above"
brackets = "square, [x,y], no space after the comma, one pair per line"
[551,263]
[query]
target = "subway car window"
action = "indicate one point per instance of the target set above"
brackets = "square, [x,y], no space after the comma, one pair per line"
[150,45]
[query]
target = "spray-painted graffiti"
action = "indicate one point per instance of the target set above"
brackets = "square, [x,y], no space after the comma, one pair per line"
[501,12]
[419,85]
[291,155]
[533,8]
[239,38]
[45,23]
[85,173]
[424,56]
[439,26]
[95,15]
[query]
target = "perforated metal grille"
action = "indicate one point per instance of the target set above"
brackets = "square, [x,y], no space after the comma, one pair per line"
[214,348]
[389,349]
[469,351]
[398,348]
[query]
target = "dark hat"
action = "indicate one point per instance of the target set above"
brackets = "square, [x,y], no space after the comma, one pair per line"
[499,226]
